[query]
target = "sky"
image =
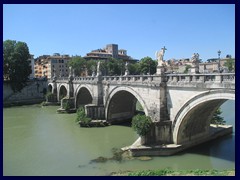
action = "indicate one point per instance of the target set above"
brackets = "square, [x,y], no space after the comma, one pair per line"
[141,29]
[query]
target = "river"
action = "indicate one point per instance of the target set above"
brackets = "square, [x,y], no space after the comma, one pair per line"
[37,141]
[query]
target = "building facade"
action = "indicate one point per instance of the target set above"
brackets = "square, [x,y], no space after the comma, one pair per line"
[48,66]
[31,76]
[110,51]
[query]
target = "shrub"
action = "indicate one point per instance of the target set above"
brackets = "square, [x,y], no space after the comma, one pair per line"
[141,124]
[50,97]
[66,105]
[217,119]
[82,117]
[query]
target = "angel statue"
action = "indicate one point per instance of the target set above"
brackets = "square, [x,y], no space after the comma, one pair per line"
[159,55]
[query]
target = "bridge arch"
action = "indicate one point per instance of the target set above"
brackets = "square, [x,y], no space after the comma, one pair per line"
[62,91]
[50,87]
[83,96]
[121,103]
[193,119]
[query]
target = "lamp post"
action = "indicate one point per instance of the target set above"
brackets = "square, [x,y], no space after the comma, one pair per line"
[219,53]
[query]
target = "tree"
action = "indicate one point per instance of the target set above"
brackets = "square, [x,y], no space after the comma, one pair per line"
[112,67]
[141,124]
[230,64]
[134,68]
[78,63]
[147,65]
[217,119]
[16,64]
[187,68]
[91,66]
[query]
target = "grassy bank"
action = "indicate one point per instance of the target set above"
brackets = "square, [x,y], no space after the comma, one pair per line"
[170,172]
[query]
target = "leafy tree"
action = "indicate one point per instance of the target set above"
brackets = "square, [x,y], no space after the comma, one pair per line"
[217,119]
[16,64]
[187,68]
[78,63]
[230,64]
[134,68]
[112,67]
[91,66]
[147,65]
[141,124]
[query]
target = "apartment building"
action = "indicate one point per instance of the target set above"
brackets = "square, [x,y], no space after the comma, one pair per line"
[110,51]
[48,66]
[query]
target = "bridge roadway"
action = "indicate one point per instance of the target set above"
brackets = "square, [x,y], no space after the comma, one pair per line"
[180,105]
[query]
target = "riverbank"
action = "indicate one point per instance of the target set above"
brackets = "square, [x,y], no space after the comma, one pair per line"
[169,172]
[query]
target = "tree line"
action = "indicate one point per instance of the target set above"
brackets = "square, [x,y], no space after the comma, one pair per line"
[16,65]
[112,66]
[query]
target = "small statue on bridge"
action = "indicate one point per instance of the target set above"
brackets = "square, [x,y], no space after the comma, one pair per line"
[126,69]
[98,69]
[195,59]
[70,71]
[159,55]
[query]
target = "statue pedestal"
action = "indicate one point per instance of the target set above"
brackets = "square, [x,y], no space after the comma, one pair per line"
[193,70]
[160,70]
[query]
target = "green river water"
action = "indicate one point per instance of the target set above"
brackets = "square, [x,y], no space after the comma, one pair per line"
[38,141]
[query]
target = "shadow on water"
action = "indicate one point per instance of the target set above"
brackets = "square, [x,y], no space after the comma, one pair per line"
[221,148]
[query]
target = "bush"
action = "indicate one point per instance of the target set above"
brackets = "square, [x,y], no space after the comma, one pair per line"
[141,124]
[66,104]
[50,97]
[82,117]
[217,119]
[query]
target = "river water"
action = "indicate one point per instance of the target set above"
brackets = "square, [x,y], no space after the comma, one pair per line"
[38,141]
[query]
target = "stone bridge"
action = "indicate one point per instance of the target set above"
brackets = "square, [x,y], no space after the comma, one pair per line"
[180,105]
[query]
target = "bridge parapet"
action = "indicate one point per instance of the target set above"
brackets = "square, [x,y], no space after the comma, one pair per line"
[85,79]
[139,79]
[207,80]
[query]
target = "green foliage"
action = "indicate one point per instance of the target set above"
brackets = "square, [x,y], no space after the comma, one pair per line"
[169,172]
[146,64]
[187,68]
[230,64]
[217,119]
[61,96]
[82,117]
[50,97]
[112,67]
[49,94]
[141,124]
[91,66]
[78,63]
[66,105]
[134,68]
[16,64]
[139,107]
[160,172]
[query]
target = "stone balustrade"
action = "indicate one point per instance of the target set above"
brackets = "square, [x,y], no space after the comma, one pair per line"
[201,78]
[170,78]
[131,78]
[87,78]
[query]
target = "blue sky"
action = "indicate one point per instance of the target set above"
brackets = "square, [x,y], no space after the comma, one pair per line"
[141,29]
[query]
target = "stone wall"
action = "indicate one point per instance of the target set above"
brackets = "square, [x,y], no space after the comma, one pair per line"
[30,94]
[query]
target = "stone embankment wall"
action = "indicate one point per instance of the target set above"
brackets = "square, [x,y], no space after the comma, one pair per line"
[30,94]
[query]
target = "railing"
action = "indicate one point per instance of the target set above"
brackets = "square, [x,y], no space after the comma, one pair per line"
[87,78]
[131,78]
[206,78]
[169,78]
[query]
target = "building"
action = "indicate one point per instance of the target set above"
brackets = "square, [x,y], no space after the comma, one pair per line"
[31,76]
[110,51]
[213,65]
[48,66]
